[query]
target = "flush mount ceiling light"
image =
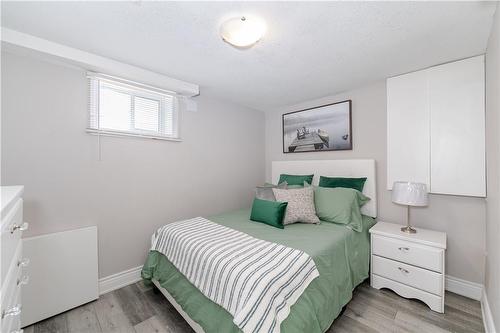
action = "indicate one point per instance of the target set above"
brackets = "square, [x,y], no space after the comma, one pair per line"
[242,31]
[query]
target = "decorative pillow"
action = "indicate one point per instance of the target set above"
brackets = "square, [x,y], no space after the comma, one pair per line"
[355,183]
[295,179]
[268,212]
[265,192]
[340,205]
[305,184]
[300,204]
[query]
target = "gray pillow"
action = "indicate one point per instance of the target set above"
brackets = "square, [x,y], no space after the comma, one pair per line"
[265,192]
[300,204]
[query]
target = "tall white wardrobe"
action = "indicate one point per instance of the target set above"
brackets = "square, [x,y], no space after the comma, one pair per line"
[436,128]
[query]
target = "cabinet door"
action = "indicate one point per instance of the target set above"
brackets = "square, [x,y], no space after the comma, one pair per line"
[456,99]
[408,132]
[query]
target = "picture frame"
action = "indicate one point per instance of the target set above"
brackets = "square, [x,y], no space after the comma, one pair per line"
[326,127]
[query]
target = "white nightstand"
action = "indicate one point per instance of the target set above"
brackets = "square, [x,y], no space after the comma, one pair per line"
[412,265]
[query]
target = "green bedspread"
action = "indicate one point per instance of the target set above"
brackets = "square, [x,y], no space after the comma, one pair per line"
[341,256]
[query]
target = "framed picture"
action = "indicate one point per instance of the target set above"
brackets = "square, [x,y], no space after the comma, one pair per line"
[322,128]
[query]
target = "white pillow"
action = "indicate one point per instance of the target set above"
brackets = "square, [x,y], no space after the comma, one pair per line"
[300,204]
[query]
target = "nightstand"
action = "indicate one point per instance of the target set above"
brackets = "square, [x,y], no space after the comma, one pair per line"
[412,265]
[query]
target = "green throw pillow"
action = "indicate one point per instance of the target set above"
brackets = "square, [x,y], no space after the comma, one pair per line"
[295,179]
[355,183]
[268,212]
[340,205]
[305,184]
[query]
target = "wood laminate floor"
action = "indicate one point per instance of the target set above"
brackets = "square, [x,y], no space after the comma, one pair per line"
[138,309]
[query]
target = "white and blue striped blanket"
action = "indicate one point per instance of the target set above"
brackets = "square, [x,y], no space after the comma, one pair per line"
[254,280]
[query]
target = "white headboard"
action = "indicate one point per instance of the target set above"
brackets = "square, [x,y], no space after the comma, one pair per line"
[334,168]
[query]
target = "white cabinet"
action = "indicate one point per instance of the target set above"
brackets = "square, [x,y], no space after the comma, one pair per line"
[436,128]
[408,132]
[456,99]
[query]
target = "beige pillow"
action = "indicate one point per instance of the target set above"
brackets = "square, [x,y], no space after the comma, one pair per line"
[300,204]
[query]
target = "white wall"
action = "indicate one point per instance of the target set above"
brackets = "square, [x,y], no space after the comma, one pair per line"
[492,278]
[462,218]
[140,184]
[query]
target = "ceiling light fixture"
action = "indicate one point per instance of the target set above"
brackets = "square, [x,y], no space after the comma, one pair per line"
[242,31]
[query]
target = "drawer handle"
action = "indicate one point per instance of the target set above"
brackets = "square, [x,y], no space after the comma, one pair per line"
[21,227]
[23,280]
[403,249]
[13,311]
[23,262]
[403,270]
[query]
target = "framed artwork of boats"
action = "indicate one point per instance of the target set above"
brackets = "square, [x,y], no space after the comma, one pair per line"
[322,128]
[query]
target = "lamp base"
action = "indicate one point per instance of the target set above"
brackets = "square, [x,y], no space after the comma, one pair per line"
[409,230]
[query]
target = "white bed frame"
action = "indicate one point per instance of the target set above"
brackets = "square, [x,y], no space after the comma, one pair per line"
[329,168]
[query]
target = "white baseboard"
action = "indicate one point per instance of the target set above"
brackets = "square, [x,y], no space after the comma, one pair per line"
[119,280]
[489,325]
[463,287]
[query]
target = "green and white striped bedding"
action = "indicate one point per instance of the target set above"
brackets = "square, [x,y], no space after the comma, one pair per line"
[254,280]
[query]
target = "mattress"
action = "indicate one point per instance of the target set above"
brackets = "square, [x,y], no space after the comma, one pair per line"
[341,255]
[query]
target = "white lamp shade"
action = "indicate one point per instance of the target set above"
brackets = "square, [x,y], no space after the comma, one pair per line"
[410,194]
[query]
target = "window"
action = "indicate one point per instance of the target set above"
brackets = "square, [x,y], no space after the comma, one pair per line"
[118,107]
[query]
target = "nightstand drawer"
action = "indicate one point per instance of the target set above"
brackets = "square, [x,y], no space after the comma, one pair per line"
[415,254]
[434,302]
[422,279]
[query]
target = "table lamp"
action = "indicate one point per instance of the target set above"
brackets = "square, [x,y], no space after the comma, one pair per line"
[409,194]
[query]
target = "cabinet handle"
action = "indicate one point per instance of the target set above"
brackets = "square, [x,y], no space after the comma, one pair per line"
[23,280]
[403,270]
[21,227]
[23,262]
[13,311]
[403,248]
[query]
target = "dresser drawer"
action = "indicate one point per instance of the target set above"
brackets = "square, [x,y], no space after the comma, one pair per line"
[12,323]
[10,240]
[407,252]
[12,283]
[11,295]
[416,277]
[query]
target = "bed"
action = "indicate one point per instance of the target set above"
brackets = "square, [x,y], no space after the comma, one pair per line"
[341,256]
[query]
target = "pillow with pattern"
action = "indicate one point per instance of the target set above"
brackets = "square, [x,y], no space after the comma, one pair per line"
[300,204]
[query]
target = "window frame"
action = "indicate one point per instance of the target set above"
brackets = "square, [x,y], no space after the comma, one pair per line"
[133,90]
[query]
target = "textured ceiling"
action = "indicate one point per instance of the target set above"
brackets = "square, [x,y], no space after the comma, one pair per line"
[310,50]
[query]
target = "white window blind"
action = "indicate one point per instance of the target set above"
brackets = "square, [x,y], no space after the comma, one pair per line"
[118,107]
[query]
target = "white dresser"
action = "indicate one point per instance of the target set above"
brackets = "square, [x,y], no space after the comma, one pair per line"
[412,265]
[12,277]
